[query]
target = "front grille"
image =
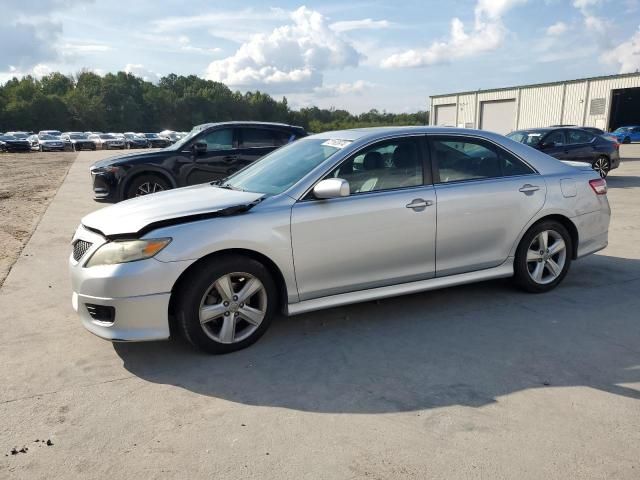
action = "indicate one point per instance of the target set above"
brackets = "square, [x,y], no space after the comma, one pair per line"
[80,247]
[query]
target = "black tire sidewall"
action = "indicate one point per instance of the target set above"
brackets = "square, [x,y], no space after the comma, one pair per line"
[199,280]
[521,273]
[142,178]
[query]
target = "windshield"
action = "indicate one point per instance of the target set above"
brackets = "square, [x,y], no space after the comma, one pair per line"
[179,145]
[77,136]
[528,138]
[48,137]
[151,135]
[622,129]
[7,137]
[282,168]
[19,135]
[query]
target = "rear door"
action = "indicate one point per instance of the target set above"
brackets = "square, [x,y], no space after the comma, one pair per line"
[382,234]
[256,142]
[219,161]
[580,146]
[486,196]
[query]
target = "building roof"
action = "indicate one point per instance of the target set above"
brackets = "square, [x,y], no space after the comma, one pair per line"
[548,84]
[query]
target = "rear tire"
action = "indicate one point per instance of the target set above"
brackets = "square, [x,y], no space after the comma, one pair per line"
[218,322]
[145,184]
[602,166]
[543,257]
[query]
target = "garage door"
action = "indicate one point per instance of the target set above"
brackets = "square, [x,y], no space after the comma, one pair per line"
[498,116]
[446,115]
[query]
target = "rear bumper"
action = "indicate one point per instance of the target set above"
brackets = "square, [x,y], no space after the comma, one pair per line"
[593,230]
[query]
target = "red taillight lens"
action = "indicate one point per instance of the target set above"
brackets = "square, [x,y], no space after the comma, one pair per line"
[599,185]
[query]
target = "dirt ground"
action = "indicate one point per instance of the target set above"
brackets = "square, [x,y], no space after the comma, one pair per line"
[28,182]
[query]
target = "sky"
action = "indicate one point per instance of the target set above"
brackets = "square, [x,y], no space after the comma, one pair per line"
[356,55]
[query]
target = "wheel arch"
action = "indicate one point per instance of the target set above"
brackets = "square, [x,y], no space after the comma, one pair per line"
[565,222]
[146,170]
[269,264]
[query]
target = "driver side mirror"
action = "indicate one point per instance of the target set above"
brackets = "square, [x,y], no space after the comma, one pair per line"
[331,188]
[199,148]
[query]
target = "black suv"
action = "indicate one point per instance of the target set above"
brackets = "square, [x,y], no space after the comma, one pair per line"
[576,144]
[210,152]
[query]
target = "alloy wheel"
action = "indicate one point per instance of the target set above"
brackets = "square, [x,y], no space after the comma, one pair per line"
[233,307]
[601,166]
[546,257]
[148,187]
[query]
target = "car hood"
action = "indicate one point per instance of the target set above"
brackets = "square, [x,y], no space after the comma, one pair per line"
[135,156]
[137,216]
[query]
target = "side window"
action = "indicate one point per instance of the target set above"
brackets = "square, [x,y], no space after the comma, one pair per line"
[512,166]
[219,139]
[578,136]
[257,137]
[555,138]
[465,159]
[383,166]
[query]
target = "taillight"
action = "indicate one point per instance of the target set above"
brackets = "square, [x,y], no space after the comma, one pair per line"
[599,185]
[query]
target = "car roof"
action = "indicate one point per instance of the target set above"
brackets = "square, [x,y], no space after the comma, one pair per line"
[246,123]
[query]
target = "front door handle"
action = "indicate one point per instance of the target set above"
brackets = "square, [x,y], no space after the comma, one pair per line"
[528,188]
[419,204]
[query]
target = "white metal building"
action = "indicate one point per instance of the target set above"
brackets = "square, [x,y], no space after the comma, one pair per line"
[604,102]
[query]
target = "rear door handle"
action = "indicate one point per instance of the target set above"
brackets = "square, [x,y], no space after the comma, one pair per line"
[419,203]
[528,188]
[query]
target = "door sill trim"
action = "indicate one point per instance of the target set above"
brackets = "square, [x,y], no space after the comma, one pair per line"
[502,271]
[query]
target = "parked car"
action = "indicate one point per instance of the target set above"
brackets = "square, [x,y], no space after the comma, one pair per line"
[573,144]
[333,219]
[155,140]
[171,135]
[77,141]
[134,140]
[9,143]
[53,133]
[106,141]
[627,134]
[210,152]
[20,135]
[46,143]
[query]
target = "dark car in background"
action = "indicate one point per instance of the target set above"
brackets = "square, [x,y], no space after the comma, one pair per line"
[156,141]
[135,140]
[20,135]
[210,152]
[574,144]
[9,143]
[77,141]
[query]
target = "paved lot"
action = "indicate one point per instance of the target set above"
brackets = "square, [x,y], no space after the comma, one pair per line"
[480,381]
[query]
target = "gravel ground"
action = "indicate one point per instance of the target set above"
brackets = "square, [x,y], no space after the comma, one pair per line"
[27,185]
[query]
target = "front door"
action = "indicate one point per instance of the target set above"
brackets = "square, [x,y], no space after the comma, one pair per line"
[383,233]
[219,161]
[555,144]
[486,196]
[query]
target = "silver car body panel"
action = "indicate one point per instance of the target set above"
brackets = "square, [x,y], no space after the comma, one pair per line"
[337,251]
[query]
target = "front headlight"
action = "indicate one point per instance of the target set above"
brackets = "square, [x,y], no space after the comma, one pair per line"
[127,251]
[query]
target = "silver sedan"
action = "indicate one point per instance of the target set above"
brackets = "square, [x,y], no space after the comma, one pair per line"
[333,219]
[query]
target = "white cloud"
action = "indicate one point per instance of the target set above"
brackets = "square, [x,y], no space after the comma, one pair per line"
[487,34]
[86,47]
[290,58]
[141,71]
[364,24]
[356,88]
[217,20]
[627,54]
[557,29]
[592,22]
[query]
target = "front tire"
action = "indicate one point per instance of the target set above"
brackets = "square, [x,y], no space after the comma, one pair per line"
[627,140]
[145,184]
[602,166]
[543,257]
[227,303]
